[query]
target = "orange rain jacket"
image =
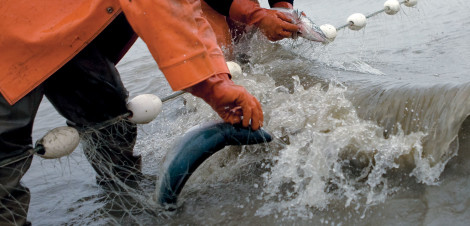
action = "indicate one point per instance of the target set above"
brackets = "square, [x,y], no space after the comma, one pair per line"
[219,24]
[37,37]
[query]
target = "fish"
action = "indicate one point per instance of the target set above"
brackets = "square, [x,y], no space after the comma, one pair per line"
[308,29]
[196,146]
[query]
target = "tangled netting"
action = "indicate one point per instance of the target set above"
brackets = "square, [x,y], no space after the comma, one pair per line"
[125,195]
[15,198]
[127,191]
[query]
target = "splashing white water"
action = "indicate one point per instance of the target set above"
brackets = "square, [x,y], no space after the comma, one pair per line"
[323,151]
[329,152]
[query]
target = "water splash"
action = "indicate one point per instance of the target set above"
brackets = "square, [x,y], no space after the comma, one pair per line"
[329,152]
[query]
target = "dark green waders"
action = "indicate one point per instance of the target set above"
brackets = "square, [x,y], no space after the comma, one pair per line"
[87,91]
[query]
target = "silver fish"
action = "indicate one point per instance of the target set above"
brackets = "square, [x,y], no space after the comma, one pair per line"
[308,29]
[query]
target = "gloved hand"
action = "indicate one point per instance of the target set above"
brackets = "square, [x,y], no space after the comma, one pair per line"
[274,24]
[230,101]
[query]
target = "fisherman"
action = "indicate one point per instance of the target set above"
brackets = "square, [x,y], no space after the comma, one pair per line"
[230,18]
[67,51]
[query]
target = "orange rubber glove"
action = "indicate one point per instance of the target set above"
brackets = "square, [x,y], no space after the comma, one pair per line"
[274,24]
[230,101]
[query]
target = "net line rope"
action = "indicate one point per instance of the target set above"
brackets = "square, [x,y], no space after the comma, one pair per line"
[32,151]
[178,93]
[368,16]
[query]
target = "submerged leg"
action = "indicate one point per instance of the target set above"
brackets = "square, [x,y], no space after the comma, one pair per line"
[16,124]
[15,197]
[110,152]
[88,92]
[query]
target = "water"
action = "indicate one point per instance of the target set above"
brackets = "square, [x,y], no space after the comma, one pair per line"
[371,129]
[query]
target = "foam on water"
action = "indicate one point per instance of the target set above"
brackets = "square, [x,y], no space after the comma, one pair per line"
[329,152]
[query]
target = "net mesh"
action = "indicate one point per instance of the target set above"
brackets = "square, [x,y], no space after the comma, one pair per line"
[127,192]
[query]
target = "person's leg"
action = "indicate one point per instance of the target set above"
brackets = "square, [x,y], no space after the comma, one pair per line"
[88,92]
[14,196]
[16,124]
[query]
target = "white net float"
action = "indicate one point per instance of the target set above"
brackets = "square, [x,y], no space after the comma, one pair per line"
[356,21]
[58,142]
[144,108]
[410,3]
[329,31]
[392,7]
[234,68]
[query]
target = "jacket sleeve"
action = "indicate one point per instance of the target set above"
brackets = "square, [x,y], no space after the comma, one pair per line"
[180,40]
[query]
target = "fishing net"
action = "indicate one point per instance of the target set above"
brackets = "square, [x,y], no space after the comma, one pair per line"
[126,192]
[120,191]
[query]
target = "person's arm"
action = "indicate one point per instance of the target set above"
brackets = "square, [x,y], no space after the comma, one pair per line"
[184,46]
[272,23]
[275,25]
